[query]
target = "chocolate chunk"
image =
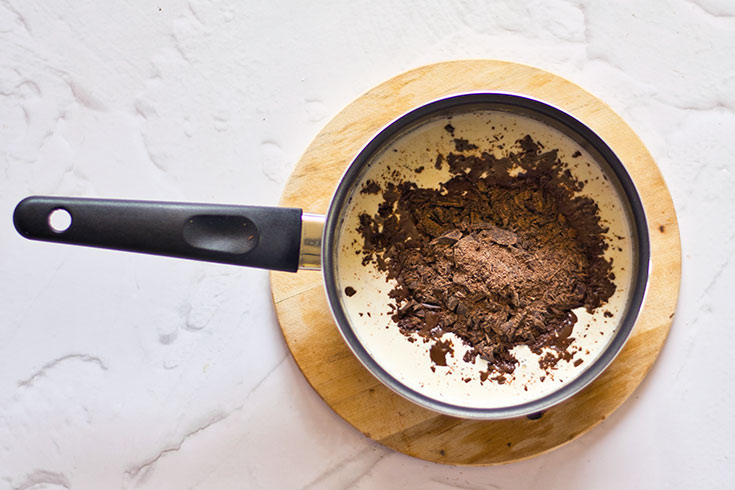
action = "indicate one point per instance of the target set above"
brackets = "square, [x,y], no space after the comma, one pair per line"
[461,144]
[497,235]
[370,187]
[439,351]
[447,238]
[350,291]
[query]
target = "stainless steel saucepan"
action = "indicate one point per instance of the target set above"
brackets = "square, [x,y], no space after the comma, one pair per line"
[288,239]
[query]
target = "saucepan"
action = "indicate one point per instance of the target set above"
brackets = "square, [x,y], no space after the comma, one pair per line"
[288,239]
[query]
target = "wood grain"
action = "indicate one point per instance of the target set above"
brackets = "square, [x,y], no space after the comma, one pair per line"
[347,387]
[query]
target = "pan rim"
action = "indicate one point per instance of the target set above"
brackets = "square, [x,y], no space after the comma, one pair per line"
[572,127]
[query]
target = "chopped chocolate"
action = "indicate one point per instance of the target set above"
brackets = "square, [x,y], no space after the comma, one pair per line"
[499,255]
[577,154]
[461,144]
[370,187]
[439,351]
[350,291]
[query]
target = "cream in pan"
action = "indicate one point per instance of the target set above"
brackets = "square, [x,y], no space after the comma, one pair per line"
[411,362]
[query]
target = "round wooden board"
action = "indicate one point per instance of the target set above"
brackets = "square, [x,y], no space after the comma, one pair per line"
[347,387]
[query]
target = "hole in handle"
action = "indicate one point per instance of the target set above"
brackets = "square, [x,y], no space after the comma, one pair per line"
[59,220]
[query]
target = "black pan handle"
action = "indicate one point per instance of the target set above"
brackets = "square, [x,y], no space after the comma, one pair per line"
[254,236]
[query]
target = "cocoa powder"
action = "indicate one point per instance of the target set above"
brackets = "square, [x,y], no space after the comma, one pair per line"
[499,255]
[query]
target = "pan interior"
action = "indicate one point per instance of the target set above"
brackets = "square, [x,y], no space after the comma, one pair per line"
[368,312]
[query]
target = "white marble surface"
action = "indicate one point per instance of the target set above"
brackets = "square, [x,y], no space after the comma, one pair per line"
[138,372]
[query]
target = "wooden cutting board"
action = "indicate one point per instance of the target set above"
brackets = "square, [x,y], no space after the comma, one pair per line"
[352,392]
